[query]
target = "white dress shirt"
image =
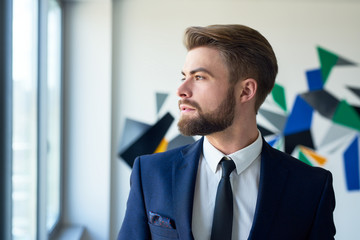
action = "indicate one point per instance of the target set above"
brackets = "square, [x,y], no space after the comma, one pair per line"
[244,182]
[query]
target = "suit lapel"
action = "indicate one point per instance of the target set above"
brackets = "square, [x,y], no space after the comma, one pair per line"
[272,181]
[184,172]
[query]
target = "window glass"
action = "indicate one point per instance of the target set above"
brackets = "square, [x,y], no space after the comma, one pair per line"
[24,119]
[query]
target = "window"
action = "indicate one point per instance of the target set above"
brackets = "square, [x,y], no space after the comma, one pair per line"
[36,162]
[25,58]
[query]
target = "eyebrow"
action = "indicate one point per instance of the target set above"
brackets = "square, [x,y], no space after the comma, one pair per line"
[200,69]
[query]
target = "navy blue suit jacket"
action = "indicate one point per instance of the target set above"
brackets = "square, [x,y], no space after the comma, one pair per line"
[295,201]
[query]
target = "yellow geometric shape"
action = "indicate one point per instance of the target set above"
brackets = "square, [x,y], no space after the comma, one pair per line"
[162,146]
[319,159]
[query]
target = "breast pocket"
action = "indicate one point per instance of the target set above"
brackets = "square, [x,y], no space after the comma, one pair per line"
[161,233]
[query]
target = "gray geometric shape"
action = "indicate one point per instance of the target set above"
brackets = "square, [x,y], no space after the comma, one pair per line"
[132,131]
[277,120]
[179,141]
[334,133]
[322,101]
[160,99]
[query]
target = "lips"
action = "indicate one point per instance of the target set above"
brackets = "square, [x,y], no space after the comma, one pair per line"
[186,108]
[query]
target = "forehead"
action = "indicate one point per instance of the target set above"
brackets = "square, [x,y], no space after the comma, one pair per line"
[204,57]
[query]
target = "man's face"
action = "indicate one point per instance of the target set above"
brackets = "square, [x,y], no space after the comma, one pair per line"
[207,101]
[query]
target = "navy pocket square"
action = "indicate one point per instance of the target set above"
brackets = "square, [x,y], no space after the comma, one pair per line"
[161,221]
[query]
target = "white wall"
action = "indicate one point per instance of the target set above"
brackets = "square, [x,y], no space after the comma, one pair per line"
[87,143]
[119,53]
[151,54]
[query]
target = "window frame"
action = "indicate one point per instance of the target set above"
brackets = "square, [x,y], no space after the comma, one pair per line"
[41,123]
[50,233]
[42,231]
[6,119]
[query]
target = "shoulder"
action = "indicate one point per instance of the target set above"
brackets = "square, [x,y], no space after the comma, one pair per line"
[168,157]
[162,156]
[294,165]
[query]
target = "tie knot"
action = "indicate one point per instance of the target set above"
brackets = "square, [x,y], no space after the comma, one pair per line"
[227,166]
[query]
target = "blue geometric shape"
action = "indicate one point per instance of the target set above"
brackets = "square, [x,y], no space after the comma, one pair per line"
[351,162]
[273,141]
[314,80]
[300,117]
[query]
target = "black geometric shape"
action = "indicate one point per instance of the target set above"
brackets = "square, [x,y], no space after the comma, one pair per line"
[356,91]
[303,138]
[344,62]
[149,141]
[322,101]
[264,132]
[357,109]
[131,132]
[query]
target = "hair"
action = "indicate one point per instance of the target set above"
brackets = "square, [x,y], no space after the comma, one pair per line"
[247,54]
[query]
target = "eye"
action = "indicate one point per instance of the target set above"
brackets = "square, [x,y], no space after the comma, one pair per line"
[198,77]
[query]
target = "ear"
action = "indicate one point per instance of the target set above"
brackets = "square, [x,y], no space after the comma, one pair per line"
[248,89]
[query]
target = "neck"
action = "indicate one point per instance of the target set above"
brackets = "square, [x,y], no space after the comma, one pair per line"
[235,137]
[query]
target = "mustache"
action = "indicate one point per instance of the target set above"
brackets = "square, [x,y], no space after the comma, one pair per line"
[190,103]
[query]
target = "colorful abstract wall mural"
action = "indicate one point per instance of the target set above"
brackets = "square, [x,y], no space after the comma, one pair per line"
[293,131]
[295,128]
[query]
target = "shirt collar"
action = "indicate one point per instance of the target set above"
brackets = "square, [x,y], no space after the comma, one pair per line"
[242,158]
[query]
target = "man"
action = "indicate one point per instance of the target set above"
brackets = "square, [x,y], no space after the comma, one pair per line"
[229,70]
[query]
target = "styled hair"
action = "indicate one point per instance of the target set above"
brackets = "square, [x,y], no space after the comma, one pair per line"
[247,54]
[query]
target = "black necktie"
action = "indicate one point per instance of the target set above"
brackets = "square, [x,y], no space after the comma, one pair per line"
[223,213]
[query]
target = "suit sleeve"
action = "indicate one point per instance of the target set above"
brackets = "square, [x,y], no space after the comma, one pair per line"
[135,224]
[323,227]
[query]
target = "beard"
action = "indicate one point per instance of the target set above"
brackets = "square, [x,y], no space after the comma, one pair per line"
[207,123]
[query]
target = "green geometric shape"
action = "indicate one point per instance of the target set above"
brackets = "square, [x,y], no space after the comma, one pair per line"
[303,158]
[278,94]
[346,115]
[327,61]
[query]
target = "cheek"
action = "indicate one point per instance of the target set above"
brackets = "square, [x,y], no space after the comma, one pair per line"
[210,97]
[212,102]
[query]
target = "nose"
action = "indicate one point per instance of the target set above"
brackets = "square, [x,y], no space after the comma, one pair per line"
[184,90]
